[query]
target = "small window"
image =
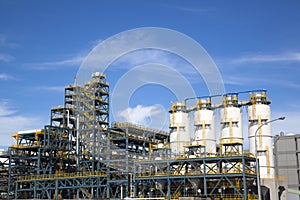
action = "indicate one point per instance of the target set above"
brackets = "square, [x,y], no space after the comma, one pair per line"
[173,129]
[198,127]
[261,153]
[207,126]
[182,128]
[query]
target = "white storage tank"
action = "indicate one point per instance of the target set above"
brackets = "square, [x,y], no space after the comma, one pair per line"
[204,125]
[259,112]
[179,128]
[231,123]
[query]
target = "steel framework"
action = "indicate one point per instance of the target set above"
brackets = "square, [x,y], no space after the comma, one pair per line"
[63,160]
[214,177]
[78,156]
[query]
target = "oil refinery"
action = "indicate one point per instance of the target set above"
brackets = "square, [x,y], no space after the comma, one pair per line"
[80,155]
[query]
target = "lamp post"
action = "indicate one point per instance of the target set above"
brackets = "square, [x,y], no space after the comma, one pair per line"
[256,154]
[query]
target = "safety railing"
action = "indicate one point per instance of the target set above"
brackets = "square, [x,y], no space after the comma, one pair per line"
[61,175]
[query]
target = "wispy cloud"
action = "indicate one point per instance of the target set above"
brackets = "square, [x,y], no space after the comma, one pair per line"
[69,61]
[148,39]
[289,84]
[267,58]
[2,40]
[5,108]
[73,61]
[246,79]
[234,80]
[255,79]
[95,43]
[51,88]
[6,57]
[5,43]
[150,56]
[289,125]
[294,106]
[11,122]
[194,10]
[4,76]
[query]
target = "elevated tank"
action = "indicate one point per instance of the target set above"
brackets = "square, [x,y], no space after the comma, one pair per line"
[179,128]
[231,122]
[204,125]
[259,112]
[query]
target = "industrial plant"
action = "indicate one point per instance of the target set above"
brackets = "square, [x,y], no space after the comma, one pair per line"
[81,155]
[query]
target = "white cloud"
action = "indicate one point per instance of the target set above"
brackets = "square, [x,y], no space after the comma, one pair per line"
[146,39]
[51,88]
[288,84]
[294,105]
[6,57]
[267,58]
[259,80]
[5,108]
[95,43]
[2,40]
[147,57]
[11,122]
[234,80]
[139,114]
[289,125]
[4,76]
[152,116]
[144,56]
[193,9]
[5,43]
[73,61]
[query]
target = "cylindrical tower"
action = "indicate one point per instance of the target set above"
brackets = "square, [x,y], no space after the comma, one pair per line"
[204,125]
[179,128]
[231,125]
[260,136]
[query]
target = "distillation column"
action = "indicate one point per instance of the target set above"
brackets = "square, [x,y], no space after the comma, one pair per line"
[231,140]
[204,125]
[179,128]
[260,138]
[259,112]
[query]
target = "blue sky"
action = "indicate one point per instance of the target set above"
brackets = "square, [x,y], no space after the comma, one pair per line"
[255,44]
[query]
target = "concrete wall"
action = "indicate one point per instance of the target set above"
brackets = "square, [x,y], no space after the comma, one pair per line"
[287,160]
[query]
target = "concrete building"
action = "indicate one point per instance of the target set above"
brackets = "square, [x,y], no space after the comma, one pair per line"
[287,161]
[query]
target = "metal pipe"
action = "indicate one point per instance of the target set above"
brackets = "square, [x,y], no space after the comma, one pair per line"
[77,139]
[256,154]
[68,118]
[218,95]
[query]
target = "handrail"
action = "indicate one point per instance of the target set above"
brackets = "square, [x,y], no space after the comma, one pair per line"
[61,175]
[138,127]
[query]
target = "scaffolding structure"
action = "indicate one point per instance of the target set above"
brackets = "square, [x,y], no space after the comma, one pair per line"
[128,143]
[223,177]
[64,160]
[78,156]
[4,167]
